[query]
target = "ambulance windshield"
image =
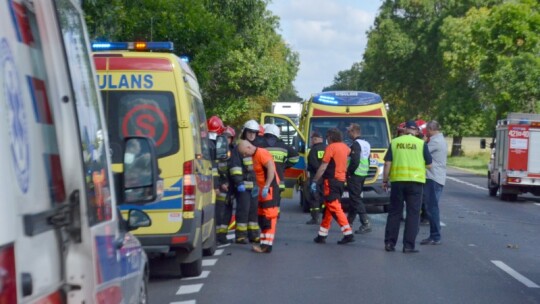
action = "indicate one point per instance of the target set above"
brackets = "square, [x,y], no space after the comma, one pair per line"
[374,129]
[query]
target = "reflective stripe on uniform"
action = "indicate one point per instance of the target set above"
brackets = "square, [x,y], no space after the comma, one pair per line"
[323,231]
[253,226]
[236,170]
[241,227]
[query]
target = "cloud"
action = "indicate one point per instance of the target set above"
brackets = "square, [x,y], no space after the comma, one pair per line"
[329,35]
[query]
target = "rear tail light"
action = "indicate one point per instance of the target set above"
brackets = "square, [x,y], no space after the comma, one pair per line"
[8,283]
[514,180]
[189,186]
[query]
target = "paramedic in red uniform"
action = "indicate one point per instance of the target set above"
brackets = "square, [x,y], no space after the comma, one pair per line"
[333,171]
[268,183]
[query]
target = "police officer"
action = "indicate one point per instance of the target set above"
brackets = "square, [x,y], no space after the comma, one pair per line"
[315,156]
[284,156]
[357,172]
[241,169]
[224,203]
[405,167]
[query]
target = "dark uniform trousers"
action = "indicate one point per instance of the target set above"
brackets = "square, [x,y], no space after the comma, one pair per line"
[355,184]
[246,213]
[411,193]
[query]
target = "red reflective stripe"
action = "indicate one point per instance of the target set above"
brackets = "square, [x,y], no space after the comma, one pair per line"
[110,295]
[57,179]
[101,63]
[149,64]
[376,112]
[55,298]
[22,26]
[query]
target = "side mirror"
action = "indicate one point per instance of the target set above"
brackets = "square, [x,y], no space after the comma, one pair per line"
[482,143]
[222,147]
[141,183]
[138,218]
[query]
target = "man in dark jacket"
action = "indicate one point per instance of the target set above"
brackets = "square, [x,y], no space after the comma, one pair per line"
[315,156]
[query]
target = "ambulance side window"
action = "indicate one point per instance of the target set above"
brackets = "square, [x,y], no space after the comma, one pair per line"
[201,116]
[89,118]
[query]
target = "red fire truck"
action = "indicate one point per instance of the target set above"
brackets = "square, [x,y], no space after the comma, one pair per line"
[514,167]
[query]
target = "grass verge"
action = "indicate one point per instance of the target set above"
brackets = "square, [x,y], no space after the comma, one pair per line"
[475,163]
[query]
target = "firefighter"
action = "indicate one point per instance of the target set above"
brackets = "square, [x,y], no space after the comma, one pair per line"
[267,181]
[283,155]
[333,171]
[224,203]
[356,176]
[252,132]
[247,227]
[215,128]
[315,156]
[405,167]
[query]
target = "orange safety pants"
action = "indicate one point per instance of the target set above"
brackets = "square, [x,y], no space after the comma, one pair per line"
[333,209]
[267,223]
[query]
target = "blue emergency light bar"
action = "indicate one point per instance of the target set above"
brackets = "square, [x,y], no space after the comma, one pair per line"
[346,98]
[132,46]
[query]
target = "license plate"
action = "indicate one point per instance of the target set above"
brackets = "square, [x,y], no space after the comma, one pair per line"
[345,195]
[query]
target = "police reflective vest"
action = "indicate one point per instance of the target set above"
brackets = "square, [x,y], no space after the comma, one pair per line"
[408,163]
[365,150]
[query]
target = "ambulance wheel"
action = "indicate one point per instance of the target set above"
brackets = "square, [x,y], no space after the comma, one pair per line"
[211,244]
[304,200]
[193,269]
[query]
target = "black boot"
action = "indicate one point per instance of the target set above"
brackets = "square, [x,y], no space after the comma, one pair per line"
[349,238]
[320,239]
[315,220]
[366,226]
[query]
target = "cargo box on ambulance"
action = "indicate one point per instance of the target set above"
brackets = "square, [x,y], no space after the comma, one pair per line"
[61,239]
[149,91]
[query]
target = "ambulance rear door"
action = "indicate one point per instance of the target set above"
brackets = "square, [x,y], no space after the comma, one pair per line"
[295,140]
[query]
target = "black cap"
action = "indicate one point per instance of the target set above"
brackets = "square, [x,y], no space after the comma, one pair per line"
[411,124]
[316,134]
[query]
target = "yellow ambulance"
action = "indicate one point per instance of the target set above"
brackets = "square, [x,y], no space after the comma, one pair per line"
[337,109]
[149,91]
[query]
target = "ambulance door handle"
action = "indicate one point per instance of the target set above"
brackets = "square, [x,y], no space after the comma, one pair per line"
[27,286]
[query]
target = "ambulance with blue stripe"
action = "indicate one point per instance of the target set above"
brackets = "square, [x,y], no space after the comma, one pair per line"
[338,109]
[62,239]
[149,91]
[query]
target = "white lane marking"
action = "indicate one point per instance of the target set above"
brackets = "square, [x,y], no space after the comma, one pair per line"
[203,275]
[516,275]
[466,183]
[443,224]
[185,302]
[209,262]
[537,204]
[223,245]
[187,289]
[219,252]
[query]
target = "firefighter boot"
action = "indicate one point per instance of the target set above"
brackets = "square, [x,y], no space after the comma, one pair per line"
[349,238]
[366,226]
[315,220]
[222,239]
[320,239]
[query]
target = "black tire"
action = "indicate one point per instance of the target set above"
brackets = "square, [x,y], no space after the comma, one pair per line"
[492,188]
[211,243]
[193,269]
[304,200]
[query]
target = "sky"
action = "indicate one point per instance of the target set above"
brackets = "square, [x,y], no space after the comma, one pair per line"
[329,36]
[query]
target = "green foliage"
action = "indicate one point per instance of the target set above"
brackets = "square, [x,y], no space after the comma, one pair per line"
[241,62]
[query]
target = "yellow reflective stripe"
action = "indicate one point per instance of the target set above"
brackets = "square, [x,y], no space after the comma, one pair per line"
[320,154]
[294,159]
[247,161]
[248,184]
[235,171]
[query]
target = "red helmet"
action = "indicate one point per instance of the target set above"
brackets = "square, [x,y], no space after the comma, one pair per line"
[229,131]
[421,126]
[215,125]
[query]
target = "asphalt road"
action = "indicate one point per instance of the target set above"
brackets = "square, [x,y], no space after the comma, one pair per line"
[490,254]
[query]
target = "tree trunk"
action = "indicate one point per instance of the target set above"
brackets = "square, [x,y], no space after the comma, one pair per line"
[456,146]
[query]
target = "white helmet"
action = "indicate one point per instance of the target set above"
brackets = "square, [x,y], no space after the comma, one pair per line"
[272,129]
[252,125]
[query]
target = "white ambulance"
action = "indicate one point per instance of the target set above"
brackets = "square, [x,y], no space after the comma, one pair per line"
[61,237]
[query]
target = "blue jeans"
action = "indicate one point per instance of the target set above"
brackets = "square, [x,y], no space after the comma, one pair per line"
[432,194]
